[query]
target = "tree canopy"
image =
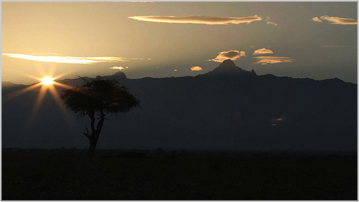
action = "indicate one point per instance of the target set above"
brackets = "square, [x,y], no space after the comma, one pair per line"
[98,96]
[105,96]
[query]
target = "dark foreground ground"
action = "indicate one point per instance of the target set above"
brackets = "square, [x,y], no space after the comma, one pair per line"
[177,175]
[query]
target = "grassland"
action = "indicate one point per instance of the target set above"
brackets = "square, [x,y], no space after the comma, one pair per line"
[177,175]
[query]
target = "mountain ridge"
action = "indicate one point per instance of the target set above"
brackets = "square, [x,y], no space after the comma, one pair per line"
[227,67]
[216,111]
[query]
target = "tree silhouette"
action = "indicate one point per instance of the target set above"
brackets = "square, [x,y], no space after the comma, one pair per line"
[98,97]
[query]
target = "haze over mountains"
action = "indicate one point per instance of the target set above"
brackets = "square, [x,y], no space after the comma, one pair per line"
[227,108]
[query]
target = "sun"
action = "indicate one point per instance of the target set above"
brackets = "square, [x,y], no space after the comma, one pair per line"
[47,81]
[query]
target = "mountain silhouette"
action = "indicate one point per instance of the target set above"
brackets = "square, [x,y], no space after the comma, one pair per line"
[227,108]
[119,76]
[228,67]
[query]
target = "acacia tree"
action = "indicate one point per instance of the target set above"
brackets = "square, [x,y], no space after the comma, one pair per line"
[98,97]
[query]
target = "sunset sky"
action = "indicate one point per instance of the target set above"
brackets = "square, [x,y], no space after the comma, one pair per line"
[165,39]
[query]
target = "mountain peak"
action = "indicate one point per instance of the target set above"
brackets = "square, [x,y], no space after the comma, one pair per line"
[119,75]
[228,67]
[228,63]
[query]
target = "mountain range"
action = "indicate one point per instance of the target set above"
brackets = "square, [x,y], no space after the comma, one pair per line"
[227,108]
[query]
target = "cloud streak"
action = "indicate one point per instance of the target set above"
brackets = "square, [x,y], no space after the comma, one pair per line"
[264,60]
[334,46]
[316,19]
[231,54]
[139,58]
[196,68]
[69,59]
[262,51]
[336,20]
[118,68]
[207,20]
[270,23]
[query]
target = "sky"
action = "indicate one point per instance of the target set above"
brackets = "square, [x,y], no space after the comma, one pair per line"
[315,40]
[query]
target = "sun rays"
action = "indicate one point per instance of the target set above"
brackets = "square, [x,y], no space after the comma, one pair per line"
[46,82]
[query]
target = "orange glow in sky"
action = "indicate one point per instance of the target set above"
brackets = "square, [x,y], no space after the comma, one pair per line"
[46,83]
[67,59]
[143,36]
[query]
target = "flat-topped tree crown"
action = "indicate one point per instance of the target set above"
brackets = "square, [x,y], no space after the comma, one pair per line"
[96,98]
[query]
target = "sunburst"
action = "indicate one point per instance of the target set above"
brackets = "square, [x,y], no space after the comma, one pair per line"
[46,82]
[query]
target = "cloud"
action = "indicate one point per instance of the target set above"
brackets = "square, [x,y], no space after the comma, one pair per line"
[196,68]
[140,2]
[264,60]
[262,51]
[120,68]
[316,19]
[334,46]
[208,20]
[69,59]
[269,22]
[272,23]
[231,54]
[336,20]
[139,58]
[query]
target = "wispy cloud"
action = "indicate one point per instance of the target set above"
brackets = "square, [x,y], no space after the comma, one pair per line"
[139,58]
[272,23]
[140,2]
[262,51]
[316,19]
[196,68]
[231,54]
[336,20]
[264,60]
[334,46]
[208,20]
[269,22]
[69,59]
[118,68]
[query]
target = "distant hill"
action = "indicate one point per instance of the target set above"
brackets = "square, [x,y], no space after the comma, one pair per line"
[7,84]
[228,67]
[226,108]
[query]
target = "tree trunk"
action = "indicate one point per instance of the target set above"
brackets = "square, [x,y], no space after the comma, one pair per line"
[95,134]
[92,148]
